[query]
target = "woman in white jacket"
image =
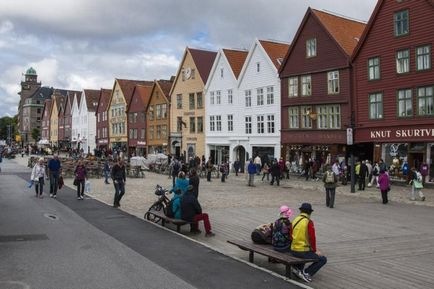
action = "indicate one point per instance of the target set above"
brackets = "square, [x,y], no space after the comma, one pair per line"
[38,176]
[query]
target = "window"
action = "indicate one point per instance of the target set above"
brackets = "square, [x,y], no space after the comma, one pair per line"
[142,133]
[333,82]
[191,101]
[248,94]
[131,133]
[211,97]
[405,106]
[293,87]
[221,73]
[306,85]
[261,124]
[192,124]
[311,47]
[218,97]
[248,124]
[151,132]
[306,121]
[401,23]
[230,97]
[219,122]
[164,131]
[158,106]
[258,66]
[293,117]
[163,111]
[423,57]
[179,124]
[199,100]
[403,61]
[329,116]
[270,95]
[425,100]
[230,122]
[260,96]
[193,74]
[158,131]
[38,110]
[151,112]
[212,123]
[179,101]
[270,123]
[374,68]
[135,133]
[376,106]
[200,124]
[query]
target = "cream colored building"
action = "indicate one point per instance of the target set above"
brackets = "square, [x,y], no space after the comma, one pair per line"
[57,101]
[187,113]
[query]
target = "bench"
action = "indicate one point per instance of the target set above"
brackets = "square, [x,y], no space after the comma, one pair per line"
[267,250]
[165,219]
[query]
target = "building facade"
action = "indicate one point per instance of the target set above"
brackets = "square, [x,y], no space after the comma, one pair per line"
[57,102]
[75,122]
[46,114]
[316,89]
[394,84]
[102,130]
[87,120]
[187,124]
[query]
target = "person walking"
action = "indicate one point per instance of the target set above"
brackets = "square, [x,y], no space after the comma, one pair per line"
[194,181]
[416,185]
[384,183]
[275,173]
[266,172]
[224,170]
[80,179]
[118,176]
[38,177]
[303,244]
[375,174]
[237,166]
[251,170]
[176,168]
[363,171]
[258,163]
[54,170]
[281,164]
[330,180]
[106,171]
[209,168]
[192,212]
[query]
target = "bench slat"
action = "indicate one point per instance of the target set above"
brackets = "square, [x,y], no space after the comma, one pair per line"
[164,219]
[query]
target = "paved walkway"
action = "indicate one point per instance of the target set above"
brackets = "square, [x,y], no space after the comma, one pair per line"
[369,245]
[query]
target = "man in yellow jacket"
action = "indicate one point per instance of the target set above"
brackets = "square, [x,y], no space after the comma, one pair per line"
[304,244]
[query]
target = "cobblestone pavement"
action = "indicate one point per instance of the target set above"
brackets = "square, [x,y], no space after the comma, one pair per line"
[235,209]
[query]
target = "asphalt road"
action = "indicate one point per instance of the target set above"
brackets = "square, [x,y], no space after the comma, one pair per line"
[65,243]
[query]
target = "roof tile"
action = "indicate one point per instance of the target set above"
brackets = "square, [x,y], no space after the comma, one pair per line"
[204,60]
[275,50]
[236,59]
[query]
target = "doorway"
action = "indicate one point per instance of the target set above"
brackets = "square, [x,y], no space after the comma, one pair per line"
[240,154]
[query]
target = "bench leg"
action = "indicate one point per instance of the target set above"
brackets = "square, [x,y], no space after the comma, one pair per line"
[178,228]
[163,222]
[251,256]
[288,272]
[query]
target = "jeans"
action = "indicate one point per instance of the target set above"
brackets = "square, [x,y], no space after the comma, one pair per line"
[208,175]
[202,217]
[315,266]
[54,183]
[223,177]
[39,187]
[330,197]
[384,196]
[266,174]
[106,176]
[251,179]
[274,177]
[80,188]
[119,191]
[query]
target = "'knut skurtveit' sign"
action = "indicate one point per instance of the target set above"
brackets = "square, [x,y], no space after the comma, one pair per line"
[402,133]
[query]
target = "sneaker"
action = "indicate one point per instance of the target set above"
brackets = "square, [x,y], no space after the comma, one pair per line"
[82,198]
[54,196]
[307,276]
[422,199]
[51,195]
[79,198]
[209,234]
[302,276]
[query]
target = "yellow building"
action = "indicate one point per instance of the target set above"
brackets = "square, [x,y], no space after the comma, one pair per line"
[57,102]
[117,119]
[187,113]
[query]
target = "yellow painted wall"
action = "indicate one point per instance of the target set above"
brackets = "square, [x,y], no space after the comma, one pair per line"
[117,103]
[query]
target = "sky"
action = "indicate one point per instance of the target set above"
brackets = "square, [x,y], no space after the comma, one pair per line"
[82,44]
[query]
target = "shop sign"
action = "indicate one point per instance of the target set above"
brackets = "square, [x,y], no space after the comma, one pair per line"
[141,143]
[402,133]
[103,141]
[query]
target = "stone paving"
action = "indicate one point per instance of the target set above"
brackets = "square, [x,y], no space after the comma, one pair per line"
[344,233]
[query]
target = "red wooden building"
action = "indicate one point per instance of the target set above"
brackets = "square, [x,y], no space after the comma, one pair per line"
[316,87]
[46,115]
[102,131]
[394,83]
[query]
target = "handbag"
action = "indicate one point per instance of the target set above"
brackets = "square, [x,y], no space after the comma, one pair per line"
[417,184]
[76,182]
[61,182]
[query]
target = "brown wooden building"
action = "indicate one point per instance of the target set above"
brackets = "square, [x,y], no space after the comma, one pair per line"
[394,83]
[158,121]
[102,130]
[137,120]
[316,87]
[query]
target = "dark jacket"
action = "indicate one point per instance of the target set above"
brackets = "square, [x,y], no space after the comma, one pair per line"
[275,169]
[118,173]
[80,173]
[54,166]
[190,207]
[363,171]
[194,181]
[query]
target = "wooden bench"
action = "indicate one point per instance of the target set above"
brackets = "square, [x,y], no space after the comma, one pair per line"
[165,219]
[267,250]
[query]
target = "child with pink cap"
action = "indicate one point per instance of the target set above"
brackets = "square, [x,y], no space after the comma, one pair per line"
[281,237]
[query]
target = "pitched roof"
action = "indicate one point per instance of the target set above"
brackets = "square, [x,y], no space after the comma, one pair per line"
[143,93]
[346,32]
[275,50]
[47,107]
[92,96]
[236,59]
[166,85]
[103,100]
[204,60]
[128,85]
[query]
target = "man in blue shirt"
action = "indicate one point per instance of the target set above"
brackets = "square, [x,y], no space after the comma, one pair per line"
[54,169]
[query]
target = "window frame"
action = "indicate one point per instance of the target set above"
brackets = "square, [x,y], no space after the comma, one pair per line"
[260,96]
[425,97]
[398,60]
[306,121]
[293,117]
[378,93]
[406,100]
[230,96]
[192,124]
[191,101]
[331,81]
[293,88]
[230,118]
[311,50]
[211,123]
[271,124]
[260,124]
[395,23]
[306,85]
[422,55]
[373,66]
[199,124]
[270,95]
[248,124]
[248,98]
[179,101]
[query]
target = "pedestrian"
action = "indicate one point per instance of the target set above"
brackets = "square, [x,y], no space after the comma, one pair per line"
[375,174]
[330,180]
[363,171]
[176,168]
[416,185]
[209,168]
[80,179]
[424,170]
[106,171]
[224,170]
[194,181]
[287,168]
[181,183]
[54,170]
[38,176]
[192,212]
[118,176]
[258,164]
[281,164]
[266,172]
[251,169]
[306,168]
[237,166]
[384,183]
[369,173]
[281,233]
[303,244]
[275,172]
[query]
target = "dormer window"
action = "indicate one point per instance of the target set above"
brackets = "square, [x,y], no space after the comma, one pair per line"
[258,66]
[401,23]
[311,47]
[221,72]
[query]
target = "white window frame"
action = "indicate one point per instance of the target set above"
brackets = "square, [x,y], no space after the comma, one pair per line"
[230,122]
[425,101]
[306,85]
[374,71]
[403,61]
[259,96]
[306,121]
[293,117]
[333,85]
[260,128]
[311,48]
[405,102]
[423,57]
[329,116]
[211,123]
[248,124]
[293,87]
[248,97]
[211,98]
[271,128]
[218,97]
[375,105]
[218,122]
[270,95]
[230,96]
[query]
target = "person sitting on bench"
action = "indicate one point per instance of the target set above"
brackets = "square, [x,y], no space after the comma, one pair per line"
[192,212]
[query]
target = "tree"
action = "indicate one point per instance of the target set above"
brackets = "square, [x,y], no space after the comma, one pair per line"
[36,134]
[8,126]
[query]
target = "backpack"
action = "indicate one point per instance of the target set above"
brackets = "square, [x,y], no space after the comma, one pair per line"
[281,238]
[262,234]
[169,209]
[330,178]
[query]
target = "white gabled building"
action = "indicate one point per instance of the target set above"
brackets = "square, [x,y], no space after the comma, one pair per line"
[75,124]
[87,120]
[250,125]
[222,105]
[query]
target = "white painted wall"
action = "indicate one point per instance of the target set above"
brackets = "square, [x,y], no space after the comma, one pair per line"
[75,125]
[87,126]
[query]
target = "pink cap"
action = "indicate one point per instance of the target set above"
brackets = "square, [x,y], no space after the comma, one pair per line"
[285,211]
